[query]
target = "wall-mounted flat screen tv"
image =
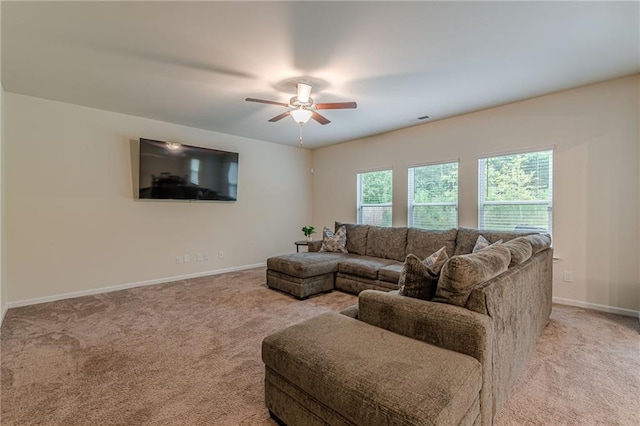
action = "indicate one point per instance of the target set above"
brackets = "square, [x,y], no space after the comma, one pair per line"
[181,172]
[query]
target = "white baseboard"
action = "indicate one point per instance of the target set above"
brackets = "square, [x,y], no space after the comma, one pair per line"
[63,296]
[597,307]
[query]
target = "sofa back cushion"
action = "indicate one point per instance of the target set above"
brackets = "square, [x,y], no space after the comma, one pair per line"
[423,243]
[388,243]
[467,237]
[461,274]
[356,237]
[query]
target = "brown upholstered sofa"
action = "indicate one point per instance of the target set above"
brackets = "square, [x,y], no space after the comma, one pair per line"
[488,340]
[374,259]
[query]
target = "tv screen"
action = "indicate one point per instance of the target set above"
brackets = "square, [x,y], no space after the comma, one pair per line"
[181,172]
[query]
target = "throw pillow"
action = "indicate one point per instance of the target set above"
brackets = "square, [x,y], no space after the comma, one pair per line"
[520,249]
[462,273]
[417,279]
[335,243]
[482,243]
[437,260]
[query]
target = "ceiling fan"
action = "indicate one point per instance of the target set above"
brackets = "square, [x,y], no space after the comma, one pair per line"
[302,108]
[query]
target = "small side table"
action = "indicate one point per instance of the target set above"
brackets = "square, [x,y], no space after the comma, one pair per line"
[301,243]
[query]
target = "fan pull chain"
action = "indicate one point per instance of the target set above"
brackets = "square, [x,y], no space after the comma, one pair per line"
[301,134]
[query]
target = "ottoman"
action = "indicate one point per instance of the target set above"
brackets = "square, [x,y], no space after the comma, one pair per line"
[303,274]
[333,369]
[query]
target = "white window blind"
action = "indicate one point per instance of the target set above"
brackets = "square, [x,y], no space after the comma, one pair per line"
[433,196]
[516,192]
[375,198]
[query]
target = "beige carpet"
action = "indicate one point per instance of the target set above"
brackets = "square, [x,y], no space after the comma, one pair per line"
[188,353]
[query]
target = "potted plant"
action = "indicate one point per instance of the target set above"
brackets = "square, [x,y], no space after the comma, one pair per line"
[307,231]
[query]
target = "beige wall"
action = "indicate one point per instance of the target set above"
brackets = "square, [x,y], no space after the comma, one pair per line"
[90,233]
[73,224]
[596,181]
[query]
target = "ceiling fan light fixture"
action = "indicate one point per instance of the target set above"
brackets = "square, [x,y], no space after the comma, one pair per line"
[304,91]
[301,116]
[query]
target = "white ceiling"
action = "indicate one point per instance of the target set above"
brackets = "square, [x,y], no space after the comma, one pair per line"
[194,63]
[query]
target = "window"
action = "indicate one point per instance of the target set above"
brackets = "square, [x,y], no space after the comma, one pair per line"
[433,196]
[375,197]
[515,192]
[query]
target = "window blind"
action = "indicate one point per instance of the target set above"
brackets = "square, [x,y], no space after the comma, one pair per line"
[433,196]
[375,194]
[515,192]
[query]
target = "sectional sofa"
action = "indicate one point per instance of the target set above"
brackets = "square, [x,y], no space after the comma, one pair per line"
[392,359]
[374,258]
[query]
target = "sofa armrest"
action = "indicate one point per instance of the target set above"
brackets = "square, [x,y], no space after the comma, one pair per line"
[439,324]
[314,246]
[447,326]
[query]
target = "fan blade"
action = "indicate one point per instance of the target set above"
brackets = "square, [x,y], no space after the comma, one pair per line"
[279,117]
[337,105]
[320,119]
[262,101]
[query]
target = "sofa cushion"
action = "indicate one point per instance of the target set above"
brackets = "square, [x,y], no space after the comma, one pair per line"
[462,273]
[363,266]
[467,237]
[390,273]
[520,249]
[387,243]
[356,237]
[422,242]
[539,242]
[304,265]
[354,284]
[334,243]
[417,279]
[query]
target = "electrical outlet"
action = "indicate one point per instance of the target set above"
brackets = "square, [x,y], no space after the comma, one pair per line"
[187,258]
[568,276]
[178,259]
[205,255]
[220,254]
[199,257]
